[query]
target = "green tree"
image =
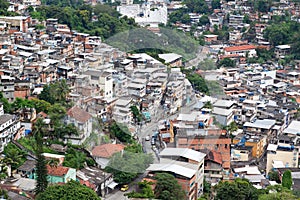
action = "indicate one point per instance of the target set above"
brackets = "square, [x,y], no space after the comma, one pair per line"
[125,165]
[14,156]
[121,132]
[287,180]
[274,176]
[232,127]
[6,104]
[238,189]
[215,4]
[227,62]
[196,6]
[278,196]
[203,20]
[3,194]
[168,188]
[72,190]
[41,170]
[75,159]
[196,80]
[277,192]
[144,191]
[136,114]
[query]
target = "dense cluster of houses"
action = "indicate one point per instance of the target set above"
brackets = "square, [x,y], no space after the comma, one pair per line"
[263,100]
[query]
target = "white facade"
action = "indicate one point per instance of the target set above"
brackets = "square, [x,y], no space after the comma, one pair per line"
[145,14]
[9,126]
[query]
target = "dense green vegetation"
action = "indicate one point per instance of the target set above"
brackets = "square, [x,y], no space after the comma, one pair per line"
[287,180]
[121,132]
[3,9]
[144,191]
[74,157]
[126,165]
[197,81]
[14,156]
[227,62]
[137,116]
[284,32]
[72,191]
[167,187]
[243,189]
[101,20]
[238,189]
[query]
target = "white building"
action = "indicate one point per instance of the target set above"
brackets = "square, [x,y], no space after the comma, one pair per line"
[145,14]
[122,111]
[82,120]
[9,127]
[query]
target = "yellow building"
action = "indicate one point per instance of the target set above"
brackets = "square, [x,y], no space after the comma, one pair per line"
[257,142]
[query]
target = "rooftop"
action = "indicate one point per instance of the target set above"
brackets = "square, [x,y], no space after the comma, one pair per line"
[264,124]
[293,128]
[79,114]
[174,168]
[107,150]
[183,152]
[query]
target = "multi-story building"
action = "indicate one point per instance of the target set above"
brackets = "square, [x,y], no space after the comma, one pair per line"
[282,50]
[9,128]
[122,111]
[7,87]
[82,120]
[281,156]
[186,165]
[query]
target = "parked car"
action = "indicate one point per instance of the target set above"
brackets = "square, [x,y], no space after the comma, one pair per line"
[147,138]
[124,188]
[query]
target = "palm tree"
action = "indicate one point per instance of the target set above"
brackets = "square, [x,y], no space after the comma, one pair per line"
[62,90]
[52,162]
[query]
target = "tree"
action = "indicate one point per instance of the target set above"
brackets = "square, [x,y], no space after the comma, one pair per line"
[238,189]
[3,194]
[196,80]
[227,62]
[203,20]
[215,4]
[196,6]
[287,180]
[274,176]
[120,132]
[72,190]
[41,170]
[13,156]
[277,192]
[126,165]
[6,104]
[144,191]
[167,187]
[278,196]
[232,127]
[75,159]
[136,114]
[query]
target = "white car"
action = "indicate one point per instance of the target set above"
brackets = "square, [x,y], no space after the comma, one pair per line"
[147,138]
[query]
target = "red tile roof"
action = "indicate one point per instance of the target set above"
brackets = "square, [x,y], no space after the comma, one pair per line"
[213,155]
[57,170]
[107,150]
[79,114]
[240,48]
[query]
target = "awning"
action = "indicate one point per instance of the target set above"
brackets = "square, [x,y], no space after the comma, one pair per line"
[112,185]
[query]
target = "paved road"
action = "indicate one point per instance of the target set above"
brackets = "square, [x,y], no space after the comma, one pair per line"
[143,131]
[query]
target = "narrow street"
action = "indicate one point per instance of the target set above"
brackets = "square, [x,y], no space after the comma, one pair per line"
[143,131]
